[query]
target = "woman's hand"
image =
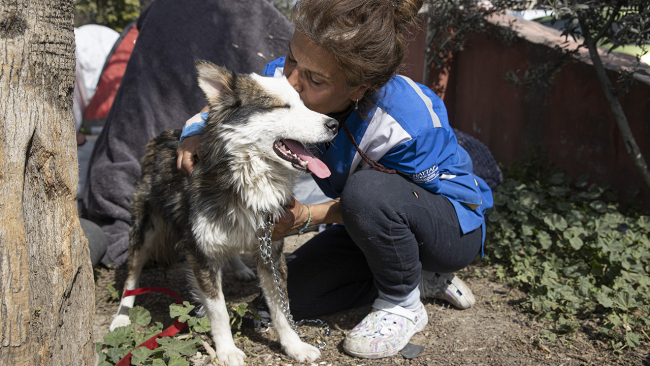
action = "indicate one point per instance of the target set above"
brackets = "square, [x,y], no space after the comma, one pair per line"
[189,147]
[295,216]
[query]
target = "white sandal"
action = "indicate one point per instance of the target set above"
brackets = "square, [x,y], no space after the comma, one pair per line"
[448,287]
[385,331]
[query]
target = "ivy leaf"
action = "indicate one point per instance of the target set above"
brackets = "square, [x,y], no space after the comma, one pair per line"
[116,354]
[557,179]
[101,359]
[152,330]
[527,230]
[544,240]
[140,316]
[495,216]
[181,311]
[176,360]
[556,222]
[119,336]
[173,345]
[199,325]
[567,326]
[558,191]
[632,339]
[576,243]
[242,309]
[158,362]
[140,355]
[604,300]
[545,333]
[624,301]
[644,223]
[581,182]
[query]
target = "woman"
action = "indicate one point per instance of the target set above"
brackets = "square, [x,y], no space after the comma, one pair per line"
[404,233]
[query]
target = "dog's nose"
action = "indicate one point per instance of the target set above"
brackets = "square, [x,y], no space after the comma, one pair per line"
[332,124]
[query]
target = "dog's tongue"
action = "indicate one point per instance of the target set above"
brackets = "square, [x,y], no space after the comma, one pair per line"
[315,165]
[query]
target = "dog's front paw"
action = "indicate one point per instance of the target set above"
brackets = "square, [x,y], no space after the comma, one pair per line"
[245,274]
[302,352]
[231,356]
[119,321]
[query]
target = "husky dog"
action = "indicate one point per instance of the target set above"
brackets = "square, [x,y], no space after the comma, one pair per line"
[253,150]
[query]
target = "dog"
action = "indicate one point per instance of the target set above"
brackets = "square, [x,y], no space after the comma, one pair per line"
[253,149]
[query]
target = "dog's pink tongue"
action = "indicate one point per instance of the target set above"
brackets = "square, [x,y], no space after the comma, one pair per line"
[315,165]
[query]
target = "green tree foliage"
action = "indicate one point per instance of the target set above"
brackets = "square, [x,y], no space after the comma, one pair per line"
[115,14]
[450,21]
[283,6]
[614,24]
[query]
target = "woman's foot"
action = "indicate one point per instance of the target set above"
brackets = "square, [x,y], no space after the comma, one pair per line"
[385,331]
[448,287]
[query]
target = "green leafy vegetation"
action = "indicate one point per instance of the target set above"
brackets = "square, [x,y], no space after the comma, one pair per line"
[115,14]
[579,256]
[172,351]
[283,6]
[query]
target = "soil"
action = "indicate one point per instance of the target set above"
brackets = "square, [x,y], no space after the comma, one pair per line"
[495,331]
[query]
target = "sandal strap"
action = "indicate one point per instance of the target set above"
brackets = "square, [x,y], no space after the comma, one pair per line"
[394,309]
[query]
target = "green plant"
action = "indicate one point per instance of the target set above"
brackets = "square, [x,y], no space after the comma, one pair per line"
[172,350]
[579,258]
[113,294]
[115,14]
[450,21]
[611,24]
[283,6]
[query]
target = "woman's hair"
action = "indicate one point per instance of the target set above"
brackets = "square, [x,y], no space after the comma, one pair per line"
[365,36]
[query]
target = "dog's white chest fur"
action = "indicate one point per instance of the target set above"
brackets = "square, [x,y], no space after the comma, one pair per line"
[217,240]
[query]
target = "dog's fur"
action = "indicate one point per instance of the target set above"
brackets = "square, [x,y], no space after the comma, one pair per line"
[213,214]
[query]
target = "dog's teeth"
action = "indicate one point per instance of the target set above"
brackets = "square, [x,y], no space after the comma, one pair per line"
[304,163]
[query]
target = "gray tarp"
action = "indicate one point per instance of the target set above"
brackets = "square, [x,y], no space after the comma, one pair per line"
[159,91]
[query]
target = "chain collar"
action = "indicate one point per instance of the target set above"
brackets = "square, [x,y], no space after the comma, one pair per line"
[263,234]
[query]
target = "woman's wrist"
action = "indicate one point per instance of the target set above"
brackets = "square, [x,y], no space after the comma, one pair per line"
[307,223]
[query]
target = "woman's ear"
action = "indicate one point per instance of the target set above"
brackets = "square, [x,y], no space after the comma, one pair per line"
[358,92]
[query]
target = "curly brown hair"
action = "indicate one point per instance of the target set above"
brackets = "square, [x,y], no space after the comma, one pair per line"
[365,36]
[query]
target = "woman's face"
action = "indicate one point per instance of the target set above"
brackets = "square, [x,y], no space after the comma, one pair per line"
[317,77]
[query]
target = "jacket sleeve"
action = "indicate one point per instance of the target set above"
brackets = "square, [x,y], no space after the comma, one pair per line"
[420,158]
[194,126]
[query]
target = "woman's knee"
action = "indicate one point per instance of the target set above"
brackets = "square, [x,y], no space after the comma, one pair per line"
[366,193]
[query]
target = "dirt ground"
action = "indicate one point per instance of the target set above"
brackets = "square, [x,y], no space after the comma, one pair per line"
[493,332]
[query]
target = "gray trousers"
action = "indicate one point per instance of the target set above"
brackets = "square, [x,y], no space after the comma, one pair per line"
[393,229]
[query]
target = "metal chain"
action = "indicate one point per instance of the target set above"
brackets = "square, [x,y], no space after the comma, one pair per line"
[266,253]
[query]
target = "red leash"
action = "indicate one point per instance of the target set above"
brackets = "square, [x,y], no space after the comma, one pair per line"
[169,332]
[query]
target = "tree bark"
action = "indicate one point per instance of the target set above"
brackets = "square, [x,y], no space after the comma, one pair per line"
[46,280]
[621,120]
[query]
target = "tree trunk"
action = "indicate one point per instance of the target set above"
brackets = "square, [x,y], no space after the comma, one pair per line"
[621,120]
[46,280]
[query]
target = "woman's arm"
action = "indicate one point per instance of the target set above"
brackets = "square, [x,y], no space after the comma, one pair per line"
[297,214]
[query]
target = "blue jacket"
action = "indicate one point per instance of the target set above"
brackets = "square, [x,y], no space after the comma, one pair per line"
[407,129]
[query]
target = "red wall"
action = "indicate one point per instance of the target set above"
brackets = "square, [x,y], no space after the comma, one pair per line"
[570,120]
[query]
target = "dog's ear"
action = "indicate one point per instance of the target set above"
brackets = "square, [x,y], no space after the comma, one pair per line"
[216,81]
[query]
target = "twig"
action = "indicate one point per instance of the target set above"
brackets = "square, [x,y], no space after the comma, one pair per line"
[209,350]
[609,23]
[582,358]
[645,334]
